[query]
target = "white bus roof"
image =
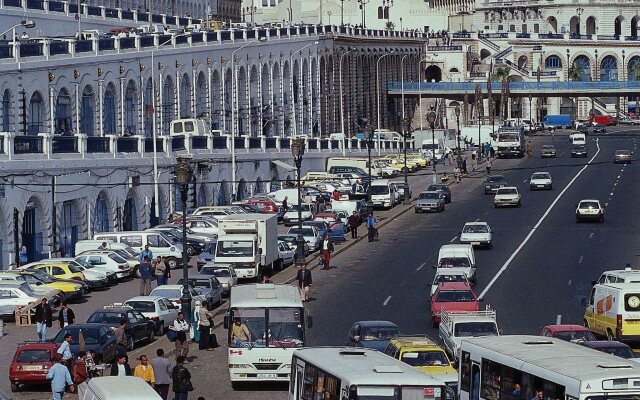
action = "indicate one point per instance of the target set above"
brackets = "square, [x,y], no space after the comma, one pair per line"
[365,366]
[557,356]
[265,295]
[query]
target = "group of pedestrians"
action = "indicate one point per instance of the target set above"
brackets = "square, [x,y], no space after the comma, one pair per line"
[152,268]
[43,317]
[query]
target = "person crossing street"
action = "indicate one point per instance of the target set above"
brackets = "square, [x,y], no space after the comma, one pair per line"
[304,282]
[371,226]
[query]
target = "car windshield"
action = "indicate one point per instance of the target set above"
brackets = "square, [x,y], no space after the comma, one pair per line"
[475,229]
[467,329]
[495,179]
[42,276]
[455,296]
[575,335]
[74,268]
[106,317]
[507,191]
[301,207]
[168,293]
[435,188]
[620,351]
[425,358]
[589,204]
[579,148]
[379,332]
[288,239]
[430,196]
[541,176]
[379,189]
[90,335]
[142,306]
[449,278]
[235,248]
[26,288]
[623,152]
[305,231]
[454,262]
[219,272]
[81,264]
[199,283]
[34,356]
[115,257]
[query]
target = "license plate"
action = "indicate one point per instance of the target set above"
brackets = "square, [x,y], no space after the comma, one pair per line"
[32,367]
[475,243]
[540,186]
[267,376]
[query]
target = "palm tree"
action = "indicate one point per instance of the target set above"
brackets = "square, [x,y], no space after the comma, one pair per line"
[389,26]
[634,72]
[575,73]
[502,74]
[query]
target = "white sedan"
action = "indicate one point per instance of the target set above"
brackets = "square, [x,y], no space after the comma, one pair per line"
[285,253]
[476,234]
[291,216]
[507,196]
[541,180]
[158,309]
[590,210]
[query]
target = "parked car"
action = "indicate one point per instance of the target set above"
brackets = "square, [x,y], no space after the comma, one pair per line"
[109,262]
[324,229]
[160,310]
[31,363]
[265,205]
[195,245]
[174,293]
[207,286]
[60,270]
[202,224]
[14,295]
[206,256]
[291,240]
[310,235]
[98,339]
[70,289]
[612,347]
[286,254]
[372,334]
[568,332]
[225,274]
[334,221]
[138,328]
[291,217]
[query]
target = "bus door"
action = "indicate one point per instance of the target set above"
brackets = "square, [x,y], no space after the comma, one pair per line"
[475,381]
[299,380]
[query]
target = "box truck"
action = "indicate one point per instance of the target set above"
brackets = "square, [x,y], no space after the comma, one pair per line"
[249,242]
[562,121]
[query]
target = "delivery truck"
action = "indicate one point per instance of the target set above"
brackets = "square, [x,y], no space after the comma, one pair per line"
[562,121]
[249,242]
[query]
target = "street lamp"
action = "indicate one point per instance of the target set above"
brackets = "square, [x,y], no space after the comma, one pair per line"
[457,111]
[378,91]
[579,11]
[25,24]
[431,117]
[368,134]
[183,174]
[406,131]
[297,150]
[344,133]
[530,116]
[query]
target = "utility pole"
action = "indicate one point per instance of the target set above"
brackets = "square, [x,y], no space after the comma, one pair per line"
[16,242]
[54,212]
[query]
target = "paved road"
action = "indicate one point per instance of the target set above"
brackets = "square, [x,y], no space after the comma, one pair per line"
[551,272]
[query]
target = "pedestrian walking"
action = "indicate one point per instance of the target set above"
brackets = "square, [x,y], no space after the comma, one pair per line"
[474,162]
[459,161]
[488,165]
[464,167]
[335,195]
[145,371]
[66,315]
[162,372]
[64,351]
[181,327]
[181,378]
[145,253]
[60,377]
[121,367]
[285,204]
[321,203]
[23,255]
[326,248]
[160,272]
[43,318]
[354,222]
[121,338]
[492,152]
[304,282]
[449,157]
[146,274]
[371,226]
[205,322]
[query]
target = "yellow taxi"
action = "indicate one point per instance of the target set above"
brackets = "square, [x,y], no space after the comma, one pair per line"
[398,159]
[71,289]
[423,353]
[57,269]
[422,162]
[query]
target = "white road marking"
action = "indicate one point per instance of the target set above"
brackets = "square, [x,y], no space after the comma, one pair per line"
[606,204]
[525,181]
[386,301]
[615,184]
[421,266]
[618,176]
[591,235]
[580,260]
[611,194]
[453,240]
[533,230]
[569,284]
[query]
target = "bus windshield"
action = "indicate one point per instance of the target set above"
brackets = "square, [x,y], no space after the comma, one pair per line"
[266,327]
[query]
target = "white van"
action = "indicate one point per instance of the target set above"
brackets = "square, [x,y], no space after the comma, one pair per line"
[458,256]
[612,311]
[189,126]
[118,388]
[578,139]
[159,244]
[383,193]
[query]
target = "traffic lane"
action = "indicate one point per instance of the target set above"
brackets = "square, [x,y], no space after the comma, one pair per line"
[367,276]
[555,269]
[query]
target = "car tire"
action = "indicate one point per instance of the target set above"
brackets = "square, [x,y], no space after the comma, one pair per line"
[152,337]
[15,387]
[136,271]
[131,344]
[172,262]
[190,251]
[160,330]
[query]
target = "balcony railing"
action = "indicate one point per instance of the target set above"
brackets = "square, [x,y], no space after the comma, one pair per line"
[27,145]
[65,144]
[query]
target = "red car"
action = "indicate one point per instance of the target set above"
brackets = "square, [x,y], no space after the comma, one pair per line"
[31,363]
[453,296]
[568,332]
[267,206]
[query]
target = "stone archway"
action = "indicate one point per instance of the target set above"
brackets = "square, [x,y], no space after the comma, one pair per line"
[433,73]
[69,224]
[223,194]
[242,190]
[101,217]
[552,24]
[33,229]
[591,25]
[130,213]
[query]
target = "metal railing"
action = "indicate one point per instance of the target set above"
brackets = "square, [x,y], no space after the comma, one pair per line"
[495,86]
[27,145]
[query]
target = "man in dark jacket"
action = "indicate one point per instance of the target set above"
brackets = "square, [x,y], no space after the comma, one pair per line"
[43,319]
[304,282]
[65,315]
[354,223]
[121,367]
[181,380]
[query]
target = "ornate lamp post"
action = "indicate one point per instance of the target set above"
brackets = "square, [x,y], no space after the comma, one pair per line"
[297,150]
[368,134]
[431,118]
[406,132]
[183,174]
[457,110]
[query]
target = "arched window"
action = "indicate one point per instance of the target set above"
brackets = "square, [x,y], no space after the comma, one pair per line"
[63,113]
[380,12]
[35,114]
[185,97]
[130,108]
[167,105]
[110,110]
[6,111]
[583,68]
[87,111]
[553,61]
[148,109]
[633,69]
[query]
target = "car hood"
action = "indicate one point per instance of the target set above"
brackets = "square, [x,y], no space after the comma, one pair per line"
[294,214]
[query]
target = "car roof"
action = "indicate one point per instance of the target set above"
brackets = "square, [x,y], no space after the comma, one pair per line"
[33,345]
[483,223]
[566,328]
[376,323]
[540,172]
[584,200]
[110,309]
[600,344]
[415,341]
[199,276]
[454,286]
[145,298]
[171,287]
[508,187]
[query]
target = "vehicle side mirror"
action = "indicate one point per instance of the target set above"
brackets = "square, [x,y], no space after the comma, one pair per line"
[584,302]
[226,321]
[309,321]
[593,283]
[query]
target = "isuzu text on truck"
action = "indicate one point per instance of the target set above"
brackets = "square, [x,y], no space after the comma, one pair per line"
[249,242]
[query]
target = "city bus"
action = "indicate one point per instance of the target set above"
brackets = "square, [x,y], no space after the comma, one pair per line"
[269,324]
[338,373]
[528,367]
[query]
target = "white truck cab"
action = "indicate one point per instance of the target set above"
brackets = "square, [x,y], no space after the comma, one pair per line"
[383,193]
[457,325]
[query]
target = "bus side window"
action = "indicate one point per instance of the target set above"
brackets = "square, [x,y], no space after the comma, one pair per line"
[465,371]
